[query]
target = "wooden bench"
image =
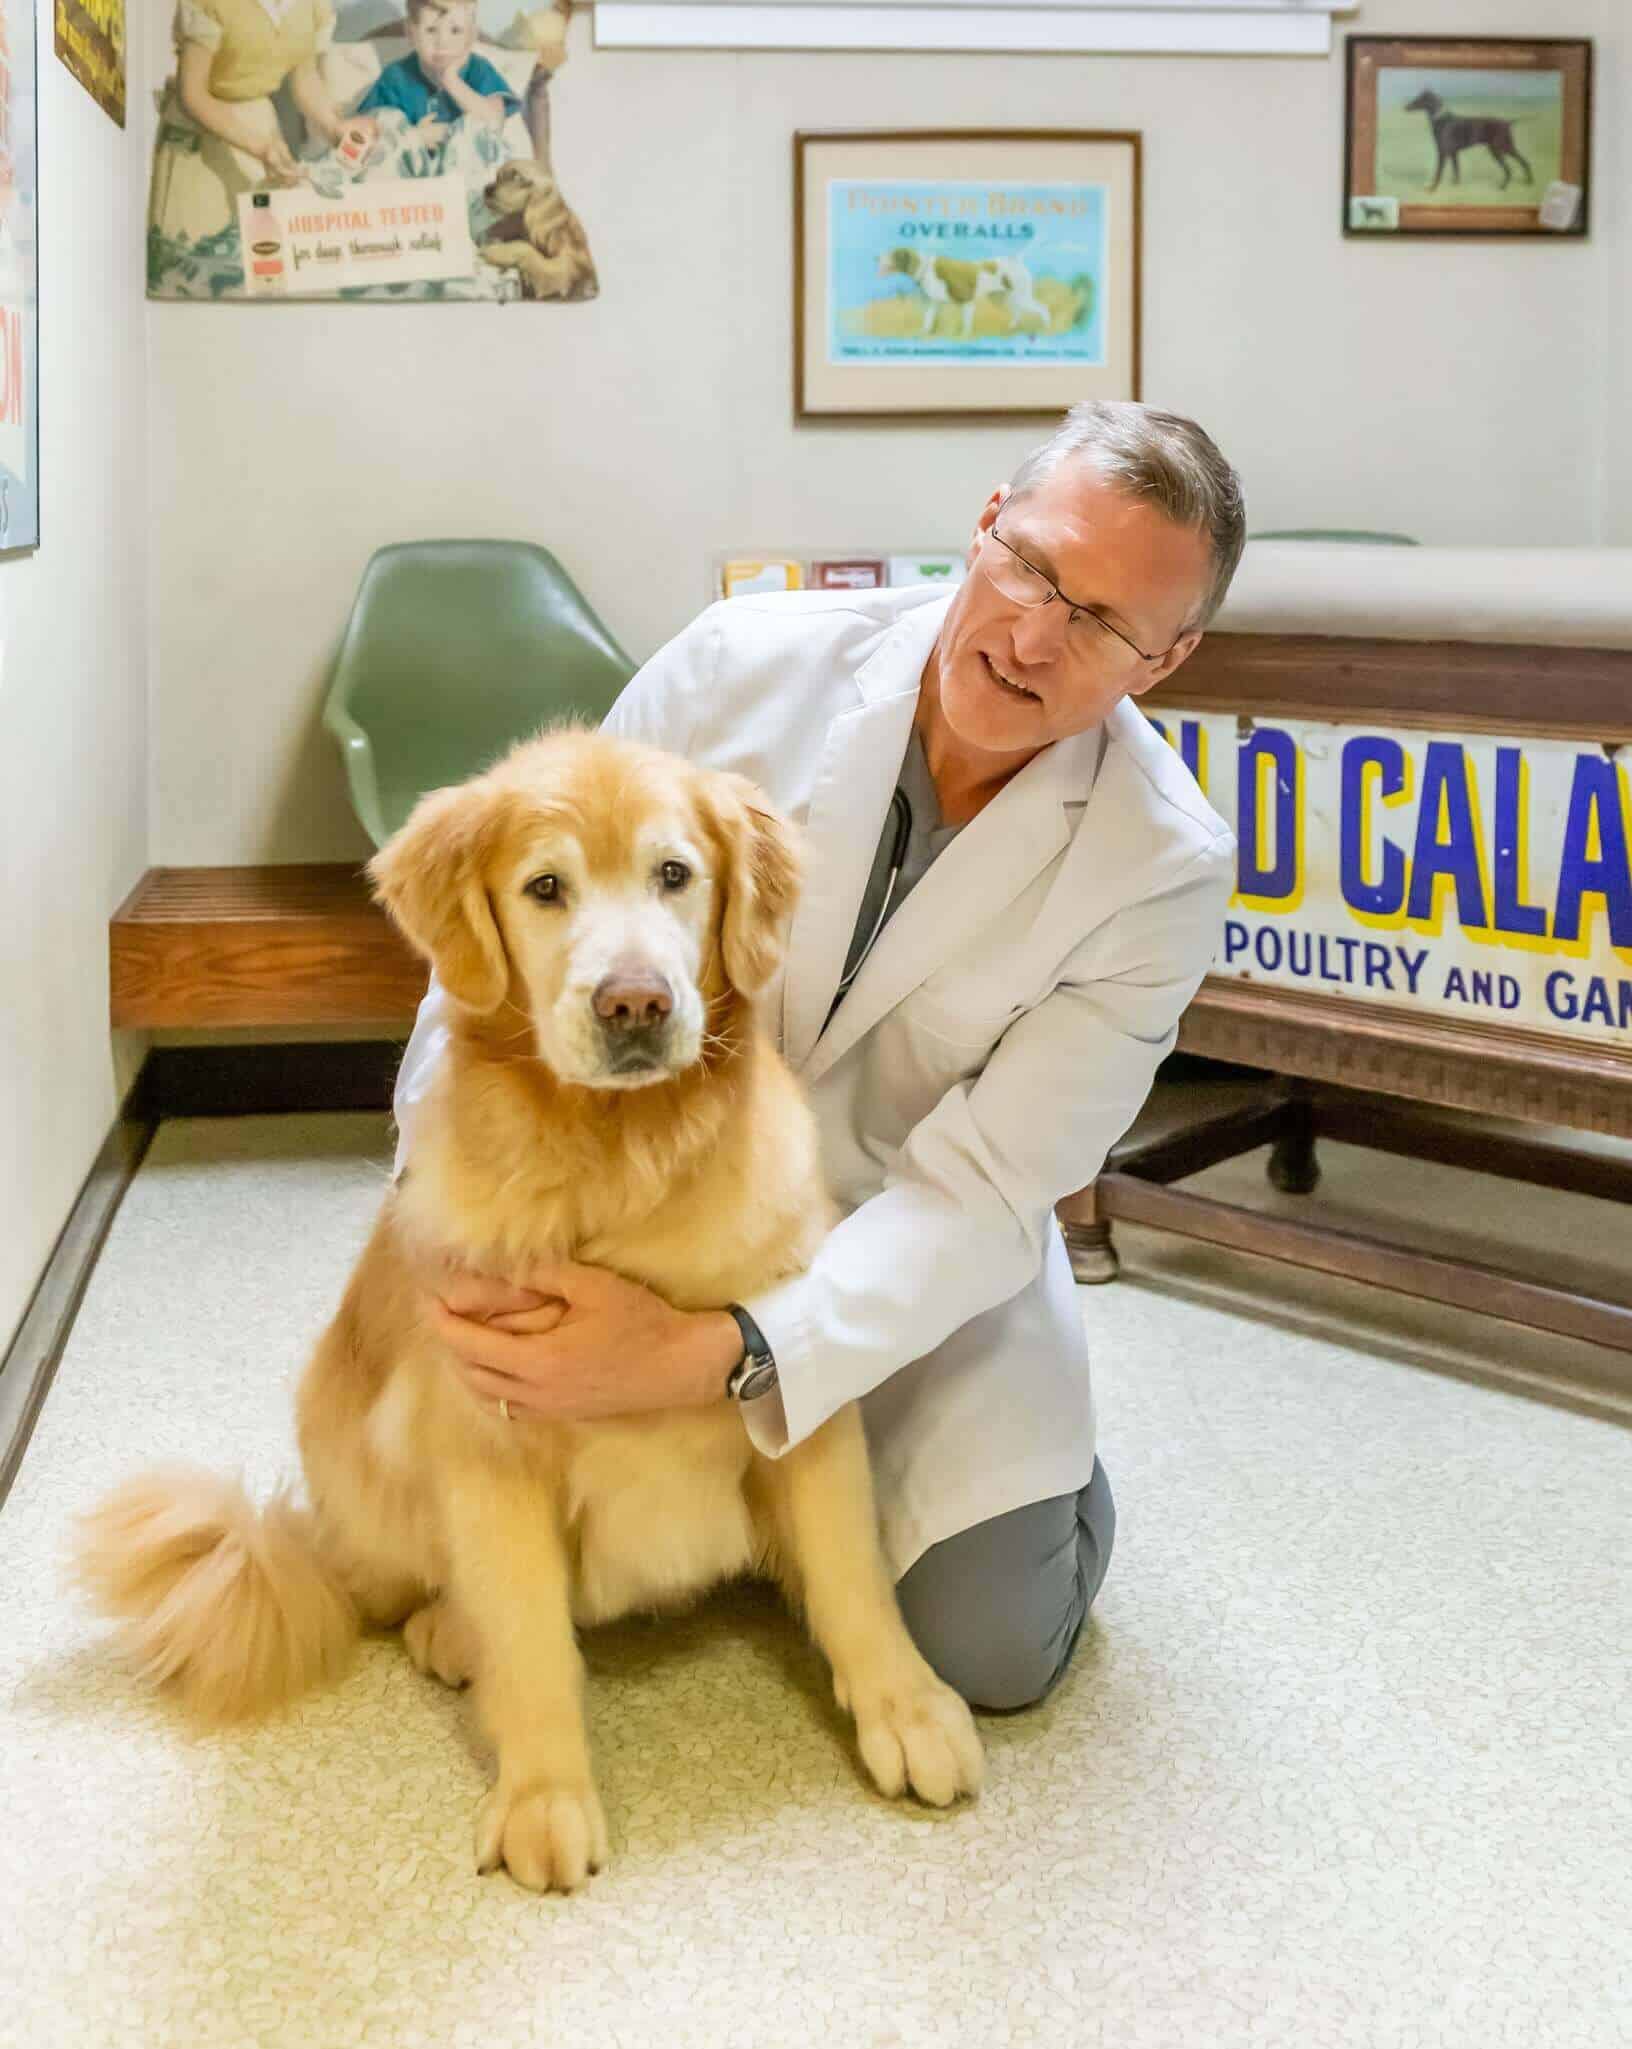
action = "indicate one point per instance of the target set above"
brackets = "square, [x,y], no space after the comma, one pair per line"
[297,945]
[1313,1063]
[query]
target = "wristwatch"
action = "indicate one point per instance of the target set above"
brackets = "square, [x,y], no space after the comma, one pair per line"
[755,1372]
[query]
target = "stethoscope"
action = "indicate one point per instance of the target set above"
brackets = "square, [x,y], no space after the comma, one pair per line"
[901,812]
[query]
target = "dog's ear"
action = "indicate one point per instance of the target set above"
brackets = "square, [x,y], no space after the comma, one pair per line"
[760,879]
[429,877]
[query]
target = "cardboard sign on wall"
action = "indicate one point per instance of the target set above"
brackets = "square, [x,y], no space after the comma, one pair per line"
[355,153]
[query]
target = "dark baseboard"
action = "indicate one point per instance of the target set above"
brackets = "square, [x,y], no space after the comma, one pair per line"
[29,1364]
[240,1081]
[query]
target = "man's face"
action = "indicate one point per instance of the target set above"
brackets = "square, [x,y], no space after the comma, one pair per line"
[443,36]
[1015,677]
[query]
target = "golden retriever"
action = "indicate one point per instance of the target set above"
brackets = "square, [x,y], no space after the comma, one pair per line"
[664,1140]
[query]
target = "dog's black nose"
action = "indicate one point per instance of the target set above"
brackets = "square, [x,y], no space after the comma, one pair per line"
[632,1001]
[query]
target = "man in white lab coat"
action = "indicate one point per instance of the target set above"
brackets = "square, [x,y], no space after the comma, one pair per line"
[1013,888]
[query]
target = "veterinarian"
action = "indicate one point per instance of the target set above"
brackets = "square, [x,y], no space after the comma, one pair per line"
[1013,888]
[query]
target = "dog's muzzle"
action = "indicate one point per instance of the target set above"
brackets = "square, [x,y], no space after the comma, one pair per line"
[633,1010]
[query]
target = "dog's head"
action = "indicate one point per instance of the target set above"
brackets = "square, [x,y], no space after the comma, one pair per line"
[516,182]
[611,895]
[898,263]
[1424,103]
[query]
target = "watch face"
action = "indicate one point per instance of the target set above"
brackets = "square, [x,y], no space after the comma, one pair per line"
[758,1380]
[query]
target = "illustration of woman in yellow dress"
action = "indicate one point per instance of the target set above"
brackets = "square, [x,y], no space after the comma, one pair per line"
[219,134]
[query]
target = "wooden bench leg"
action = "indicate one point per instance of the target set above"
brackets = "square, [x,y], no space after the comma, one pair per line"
[1087,1234]
[1293,1168]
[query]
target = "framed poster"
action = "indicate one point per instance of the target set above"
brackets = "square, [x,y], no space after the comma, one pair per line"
[19,281]
[368,149]
[1467,135]
[90,40]
[960,273]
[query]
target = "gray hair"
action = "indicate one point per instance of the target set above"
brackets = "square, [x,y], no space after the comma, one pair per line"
[1160,456]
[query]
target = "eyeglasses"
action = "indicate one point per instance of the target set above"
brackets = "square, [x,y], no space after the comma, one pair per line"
[1026,584]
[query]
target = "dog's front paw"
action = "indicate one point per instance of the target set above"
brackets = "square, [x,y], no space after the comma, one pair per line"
[917,1733]
[549,1835]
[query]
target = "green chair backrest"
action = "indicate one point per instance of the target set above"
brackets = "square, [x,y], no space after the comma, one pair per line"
[1336,533]
[456,650]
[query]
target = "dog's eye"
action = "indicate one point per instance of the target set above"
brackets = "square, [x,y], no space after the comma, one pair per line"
[675,874]
[546,888]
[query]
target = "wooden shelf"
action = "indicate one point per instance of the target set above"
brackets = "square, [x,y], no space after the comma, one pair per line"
[294,945]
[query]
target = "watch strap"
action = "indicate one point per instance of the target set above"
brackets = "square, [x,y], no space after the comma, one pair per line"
[755,1372]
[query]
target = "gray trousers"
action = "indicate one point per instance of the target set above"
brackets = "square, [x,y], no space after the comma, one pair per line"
[997,1609]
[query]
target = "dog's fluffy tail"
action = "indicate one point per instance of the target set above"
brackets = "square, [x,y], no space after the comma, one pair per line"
[230,1609]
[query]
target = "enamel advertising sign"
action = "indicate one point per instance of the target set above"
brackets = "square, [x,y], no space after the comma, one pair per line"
[1475,876]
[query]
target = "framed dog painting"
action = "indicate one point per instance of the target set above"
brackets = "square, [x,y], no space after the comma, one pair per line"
[952,273]
[1467,135]
[360,149]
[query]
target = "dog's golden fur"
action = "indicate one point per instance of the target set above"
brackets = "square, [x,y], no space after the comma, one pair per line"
[489,1540]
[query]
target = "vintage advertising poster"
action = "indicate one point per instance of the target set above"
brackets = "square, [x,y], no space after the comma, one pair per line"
[1475,876]
[967,271]
[362,149]
[943,273]
[19,282]
[90,40]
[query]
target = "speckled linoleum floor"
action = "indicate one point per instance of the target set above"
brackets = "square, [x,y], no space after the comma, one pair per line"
[1342,1759]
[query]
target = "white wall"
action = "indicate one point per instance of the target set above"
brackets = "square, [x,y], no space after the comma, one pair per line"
[1458,390]
[1614,57]
[73,684]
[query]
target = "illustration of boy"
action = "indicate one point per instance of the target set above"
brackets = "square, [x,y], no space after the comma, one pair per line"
[444,79]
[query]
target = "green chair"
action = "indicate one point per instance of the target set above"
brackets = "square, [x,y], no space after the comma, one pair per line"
[1336,533]
[454,651]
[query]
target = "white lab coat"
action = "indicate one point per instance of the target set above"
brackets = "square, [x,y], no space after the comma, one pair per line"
[998,1040]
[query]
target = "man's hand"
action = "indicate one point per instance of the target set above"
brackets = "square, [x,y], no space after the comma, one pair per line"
[578,1342]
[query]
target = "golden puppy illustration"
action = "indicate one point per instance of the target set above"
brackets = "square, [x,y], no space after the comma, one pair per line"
[538,235]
